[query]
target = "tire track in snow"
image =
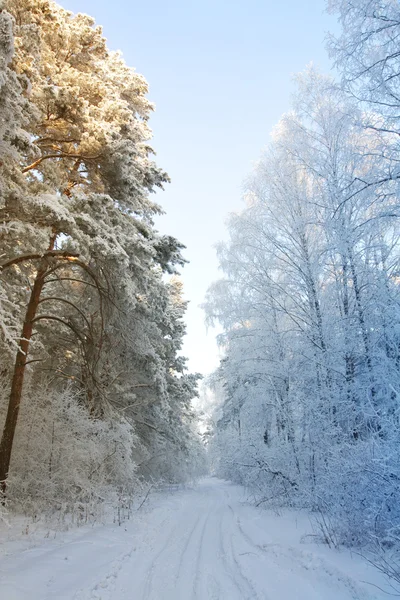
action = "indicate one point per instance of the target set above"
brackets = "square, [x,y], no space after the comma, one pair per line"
[235,521]
[171,540]
[200,553]
[185,555]
[242,584]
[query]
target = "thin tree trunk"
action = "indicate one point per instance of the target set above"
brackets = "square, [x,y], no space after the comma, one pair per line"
[349,355]
[360,312]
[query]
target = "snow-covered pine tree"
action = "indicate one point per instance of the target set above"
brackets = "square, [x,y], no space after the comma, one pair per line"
[81,262]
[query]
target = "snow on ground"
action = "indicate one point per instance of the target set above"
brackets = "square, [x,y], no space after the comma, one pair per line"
[204,543]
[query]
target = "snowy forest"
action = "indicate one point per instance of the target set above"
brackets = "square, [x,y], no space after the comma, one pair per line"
[309,301]
[95,399]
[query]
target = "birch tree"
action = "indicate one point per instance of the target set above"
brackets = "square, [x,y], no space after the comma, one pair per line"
[310,373]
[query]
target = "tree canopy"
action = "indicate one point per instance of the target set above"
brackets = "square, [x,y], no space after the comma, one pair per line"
[91,321]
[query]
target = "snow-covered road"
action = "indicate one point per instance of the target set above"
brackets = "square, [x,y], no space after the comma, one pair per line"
[202,543]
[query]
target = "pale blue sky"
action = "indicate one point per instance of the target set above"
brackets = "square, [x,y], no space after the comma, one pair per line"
[220,74]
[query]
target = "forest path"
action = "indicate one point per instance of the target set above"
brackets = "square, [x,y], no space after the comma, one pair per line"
[203,543]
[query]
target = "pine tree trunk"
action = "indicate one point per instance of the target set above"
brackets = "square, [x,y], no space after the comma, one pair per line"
[7,439]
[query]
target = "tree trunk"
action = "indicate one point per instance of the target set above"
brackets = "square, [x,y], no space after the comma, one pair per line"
[7,439]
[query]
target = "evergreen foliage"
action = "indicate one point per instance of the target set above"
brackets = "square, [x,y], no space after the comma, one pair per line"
[96,396]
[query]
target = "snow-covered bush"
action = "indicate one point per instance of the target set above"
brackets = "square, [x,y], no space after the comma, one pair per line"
[359,490]
[66,464]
